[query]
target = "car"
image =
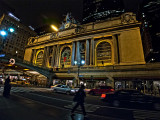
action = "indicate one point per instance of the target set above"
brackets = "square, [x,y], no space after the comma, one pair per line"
[74,90]
[62,89]
[52,87]
[131,98]
[27,83]
[20,82]
[13,82]
[100,90]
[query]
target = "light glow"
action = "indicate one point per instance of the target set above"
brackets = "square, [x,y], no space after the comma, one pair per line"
[25,69]
[82,62]
[54,28]
[3,33]
[11,29]
[103,95]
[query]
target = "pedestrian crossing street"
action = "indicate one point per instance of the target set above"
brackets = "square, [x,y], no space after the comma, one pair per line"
[25,89]
[88,107]
[146,115]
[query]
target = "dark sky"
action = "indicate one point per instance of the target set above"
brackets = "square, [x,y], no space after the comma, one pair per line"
[39,12]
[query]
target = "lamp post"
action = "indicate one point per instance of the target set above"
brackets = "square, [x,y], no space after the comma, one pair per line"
[79,65]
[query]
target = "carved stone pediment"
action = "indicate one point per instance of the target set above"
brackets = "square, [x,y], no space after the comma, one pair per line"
[127,18]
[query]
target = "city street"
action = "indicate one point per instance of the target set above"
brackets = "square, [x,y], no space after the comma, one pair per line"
[42,103]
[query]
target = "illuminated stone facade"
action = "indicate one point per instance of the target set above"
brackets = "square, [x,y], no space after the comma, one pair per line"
[100,44]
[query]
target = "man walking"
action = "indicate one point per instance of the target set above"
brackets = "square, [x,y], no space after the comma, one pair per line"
[79,98]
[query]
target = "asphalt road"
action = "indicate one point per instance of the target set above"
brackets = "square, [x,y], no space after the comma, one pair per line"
[43,104]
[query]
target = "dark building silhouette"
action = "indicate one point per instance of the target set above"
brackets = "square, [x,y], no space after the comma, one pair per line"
[94,10]
[151,29]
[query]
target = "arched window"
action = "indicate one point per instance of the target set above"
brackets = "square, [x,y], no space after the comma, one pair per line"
[39,58]
[104,54]
[66,57]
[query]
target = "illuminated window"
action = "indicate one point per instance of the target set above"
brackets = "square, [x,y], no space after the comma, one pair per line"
[104,53]
[66,57]
[39,58]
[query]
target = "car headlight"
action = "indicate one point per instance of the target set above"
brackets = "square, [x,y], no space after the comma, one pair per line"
[72,90]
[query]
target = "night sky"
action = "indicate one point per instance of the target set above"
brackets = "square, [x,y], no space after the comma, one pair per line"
[39,12]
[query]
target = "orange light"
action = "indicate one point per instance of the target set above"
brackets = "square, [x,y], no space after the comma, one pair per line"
[112,89]
[54,28]
[103,95]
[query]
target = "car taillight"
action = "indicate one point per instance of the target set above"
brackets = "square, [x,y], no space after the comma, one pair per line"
[112,89]
[103,95]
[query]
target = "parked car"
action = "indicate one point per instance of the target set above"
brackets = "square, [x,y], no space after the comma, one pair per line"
[100,90]
[131,98]
[62,89]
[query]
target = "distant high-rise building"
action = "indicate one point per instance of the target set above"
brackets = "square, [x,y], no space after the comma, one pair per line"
[14,42]
[94,10]
[151,29]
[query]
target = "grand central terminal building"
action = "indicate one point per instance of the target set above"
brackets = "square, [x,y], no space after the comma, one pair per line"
[106,52]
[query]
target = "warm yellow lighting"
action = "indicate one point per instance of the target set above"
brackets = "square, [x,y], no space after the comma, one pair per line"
[54,28]
[9,65]
[25,69]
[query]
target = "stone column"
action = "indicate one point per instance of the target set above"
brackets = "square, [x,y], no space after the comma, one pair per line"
[93,48]
[87,53]
[73,53]
[47,57]
[116,49]
[58,56]
[33,56]
[44,57]
[53,56]
[92,59]
[78,57]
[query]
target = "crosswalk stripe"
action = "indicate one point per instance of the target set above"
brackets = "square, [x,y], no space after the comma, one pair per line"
[88,107]
[22,89]
[154,115]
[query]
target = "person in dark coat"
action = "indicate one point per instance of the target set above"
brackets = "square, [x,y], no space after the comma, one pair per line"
[7,88]
[79,99]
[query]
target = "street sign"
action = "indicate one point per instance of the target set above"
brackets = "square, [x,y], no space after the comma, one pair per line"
[2,55]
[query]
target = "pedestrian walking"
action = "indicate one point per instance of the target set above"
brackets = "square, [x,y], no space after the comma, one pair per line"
[79,99]
[7,88]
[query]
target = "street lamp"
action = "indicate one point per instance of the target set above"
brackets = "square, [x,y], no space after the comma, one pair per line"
[4,33]
[79,65]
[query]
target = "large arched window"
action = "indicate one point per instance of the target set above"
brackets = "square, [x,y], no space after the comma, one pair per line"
[66,57]
[39,58]
[103,54]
